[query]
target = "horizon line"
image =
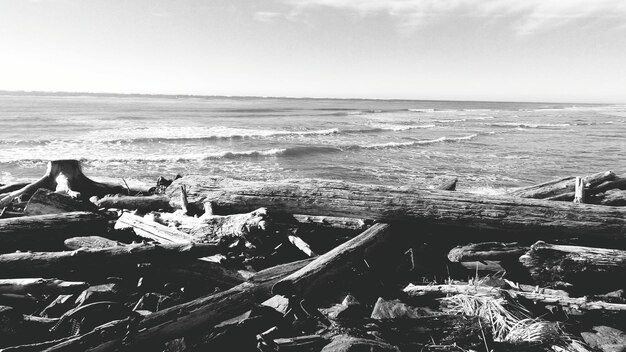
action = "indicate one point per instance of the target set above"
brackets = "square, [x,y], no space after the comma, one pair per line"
[163,95]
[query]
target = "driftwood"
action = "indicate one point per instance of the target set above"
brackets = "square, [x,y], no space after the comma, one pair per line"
[34,347]
[65,176]
[582,303]
[39,231]
[531,217]
[487,251]
[614,197]
[181,319]
[588,269]
[47,286]
[322,224]
[152,230]
[619,182]
[579,190]
[336,267]
[12,187]
[90,242]
[555,188]
[105,260]
[45,201]
[301,245]
[142,204]
[212,227]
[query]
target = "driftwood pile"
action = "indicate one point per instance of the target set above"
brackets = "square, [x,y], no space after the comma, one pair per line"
[204,263]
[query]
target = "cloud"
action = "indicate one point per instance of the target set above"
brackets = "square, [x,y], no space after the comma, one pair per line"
[267,16]
[524,16]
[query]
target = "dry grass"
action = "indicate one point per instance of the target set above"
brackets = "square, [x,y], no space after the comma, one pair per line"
[511,323]
[501,315]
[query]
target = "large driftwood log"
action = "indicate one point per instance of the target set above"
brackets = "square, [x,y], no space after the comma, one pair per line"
[106,260]
[562,186]
[65,176]
[487,251]
[337,266]
[47,286]
[45,201]
[531,217]
[614,197]
[152,230]
[142,204]
[596,270]
[181,319]
[582,303]
[40,231]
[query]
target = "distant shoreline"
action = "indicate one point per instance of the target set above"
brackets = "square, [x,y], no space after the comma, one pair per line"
[243,97]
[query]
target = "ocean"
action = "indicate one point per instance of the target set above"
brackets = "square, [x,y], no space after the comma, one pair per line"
[490,146]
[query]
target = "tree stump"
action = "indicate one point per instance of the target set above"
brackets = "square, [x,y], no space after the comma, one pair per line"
[65,176]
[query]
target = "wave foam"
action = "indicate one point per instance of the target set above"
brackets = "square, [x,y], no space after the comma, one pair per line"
[397,128]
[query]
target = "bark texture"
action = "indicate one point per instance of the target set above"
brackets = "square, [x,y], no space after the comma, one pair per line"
[584,269]
[531,217]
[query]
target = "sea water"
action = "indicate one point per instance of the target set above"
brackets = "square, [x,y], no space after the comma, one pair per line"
[489,146]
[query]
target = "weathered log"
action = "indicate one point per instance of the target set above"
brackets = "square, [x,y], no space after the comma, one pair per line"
[531,217]
[487,251]
[152,230]
[142,204]
[614,197]
[448,185]
[300,343]
[565,185]
[619,182]
[39,286]
[40,231]
[34,347]
[331,222]
[12,187]
[106,260]
[337,266]
[582,303]
[65,176]
[589,270]
[181,319]
[45,201]
[90,242]
[212,227]
[198,273]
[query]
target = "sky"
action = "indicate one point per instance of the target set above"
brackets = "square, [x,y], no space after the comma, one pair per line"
[496,50]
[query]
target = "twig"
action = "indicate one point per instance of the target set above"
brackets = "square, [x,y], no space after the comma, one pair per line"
[127,188]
